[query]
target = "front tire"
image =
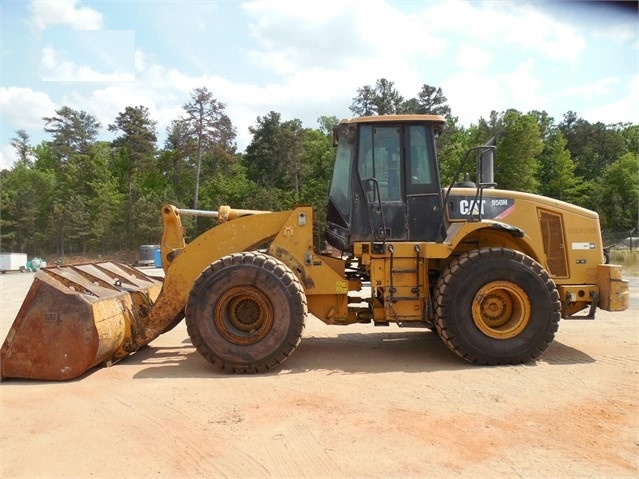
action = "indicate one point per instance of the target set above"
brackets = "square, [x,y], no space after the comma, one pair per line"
[246,313]
[497,306]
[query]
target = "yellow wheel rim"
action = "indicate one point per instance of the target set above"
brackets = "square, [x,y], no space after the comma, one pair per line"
[243,315]
[501,309]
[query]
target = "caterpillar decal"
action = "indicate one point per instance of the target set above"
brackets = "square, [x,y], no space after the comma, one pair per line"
[489,207]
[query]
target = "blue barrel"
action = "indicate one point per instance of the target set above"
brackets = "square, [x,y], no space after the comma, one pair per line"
[157,258]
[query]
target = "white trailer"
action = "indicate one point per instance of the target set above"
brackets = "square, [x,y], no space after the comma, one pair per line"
[13,262]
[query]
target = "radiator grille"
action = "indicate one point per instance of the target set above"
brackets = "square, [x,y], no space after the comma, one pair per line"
[554,245]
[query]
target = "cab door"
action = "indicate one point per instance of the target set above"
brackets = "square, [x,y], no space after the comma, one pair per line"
[381,179]
[423,192]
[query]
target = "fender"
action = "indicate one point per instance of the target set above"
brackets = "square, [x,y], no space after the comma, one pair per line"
[510,236]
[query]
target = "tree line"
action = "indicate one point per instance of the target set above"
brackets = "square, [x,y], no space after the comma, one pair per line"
[74,193]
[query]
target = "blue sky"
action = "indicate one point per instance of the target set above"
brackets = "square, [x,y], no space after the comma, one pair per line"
[306,59]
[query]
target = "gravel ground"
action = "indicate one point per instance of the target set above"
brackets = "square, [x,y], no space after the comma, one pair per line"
[353,401]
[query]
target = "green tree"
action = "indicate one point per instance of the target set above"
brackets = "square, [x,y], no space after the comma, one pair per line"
[107,205]
[629,135]
[319,156]
[518,147]
[384,99]
[493,127]
[73,132]
[174,163]
[68,156]
[148,223]
[430,101]
[326,124]
[620,193]
[74,208]
[452,145]
[135,153]
[264,156]
[24,195]
[388,100]
[292,145]
[21,143]
[364,102]
[556,172]
[593,146]
[211,130]
[45,157]
[232,188]
[77,232]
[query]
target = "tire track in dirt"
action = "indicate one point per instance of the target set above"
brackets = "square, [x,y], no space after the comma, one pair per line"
[586,434]
[297,437]
[192,435]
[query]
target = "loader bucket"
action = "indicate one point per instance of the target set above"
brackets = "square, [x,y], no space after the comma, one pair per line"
[76,317]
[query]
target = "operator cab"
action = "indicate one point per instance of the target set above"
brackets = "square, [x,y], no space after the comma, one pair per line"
[385,184]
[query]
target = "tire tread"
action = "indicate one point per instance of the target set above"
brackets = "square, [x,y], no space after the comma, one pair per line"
[445,302]
[299,309]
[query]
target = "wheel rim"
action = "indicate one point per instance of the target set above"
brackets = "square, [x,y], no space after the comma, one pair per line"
[501,309]
[243,315]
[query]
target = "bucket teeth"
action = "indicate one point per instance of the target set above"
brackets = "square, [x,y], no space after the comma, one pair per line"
[76,317]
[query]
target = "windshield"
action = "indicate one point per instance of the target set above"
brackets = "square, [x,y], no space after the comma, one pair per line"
[340,191]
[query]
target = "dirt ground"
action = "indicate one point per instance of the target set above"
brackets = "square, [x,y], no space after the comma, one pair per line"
[352,401]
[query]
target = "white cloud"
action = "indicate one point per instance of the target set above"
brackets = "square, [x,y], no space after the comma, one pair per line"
[471,57]
[49,60]
[24,107]
[524,88]
[108,102]
[458,16]
[163,100]
[56,68]
[311,59]
[293,35]
[47,13]
[141,61]
[296,35]
[512,23]
[8,156]
[625,109]
[598,88]
[619,34]
[410,48]
[535,30]
[306,95]
[162,90]
[471,96]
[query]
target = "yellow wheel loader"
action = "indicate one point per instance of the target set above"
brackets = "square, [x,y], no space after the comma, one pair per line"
[492,271]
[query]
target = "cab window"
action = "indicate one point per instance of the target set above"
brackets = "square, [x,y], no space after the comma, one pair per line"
[421,164]
[379,159]
[340,191]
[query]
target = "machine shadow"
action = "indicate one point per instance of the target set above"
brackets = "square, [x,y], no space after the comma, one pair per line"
[408,351]
[345,353]
[561,354]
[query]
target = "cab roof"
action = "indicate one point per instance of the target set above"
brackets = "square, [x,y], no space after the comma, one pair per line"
[395,118]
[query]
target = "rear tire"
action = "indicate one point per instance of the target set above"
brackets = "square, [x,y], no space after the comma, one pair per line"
[497,306]
[246,313]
